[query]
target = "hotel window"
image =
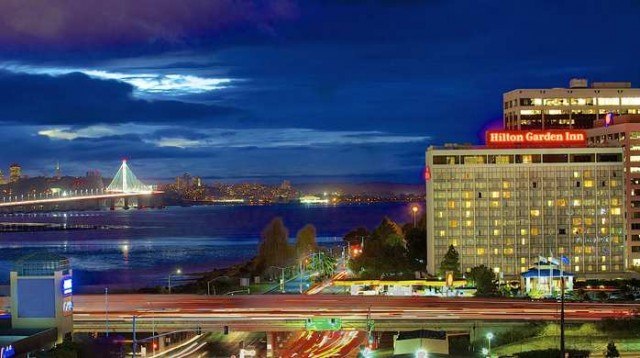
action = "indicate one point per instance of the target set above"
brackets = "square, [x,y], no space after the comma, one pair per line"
[506,185]
[587,184]
[506,194]
[630,101]
[576,174]
[474,159]
[451,204]
[523,241]
[635,158]
[442,233]
[523,232]
[535,212]
[467,204]
[608,101]
[635,147]
[576,202]
[495,204]
[603,268]
[576,259]
[535,231]
[468,223]
[634,135]
[615,211]
[496,232]
[523,260]
[453,223]
[577,221]
[530,112]
[440,214]
[480,251]
[576,268]
[562,202]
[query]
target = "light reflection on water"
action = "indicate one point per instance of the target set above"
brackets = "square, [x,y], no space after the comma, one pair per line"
[139,247]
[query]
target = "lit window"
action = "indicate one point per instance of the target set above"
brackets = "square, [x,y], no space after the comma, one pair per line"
[440,214]
[451,204]
[635,158]
[468,213]
[535,231]
[506,185]
[576,202]
[537,101]
[496,269]
[495,194]
[453,223]
[562,203]
[495,251]
[588,183]
[527,159]
[480,251]
[554,111]
[523,232]
[630,101]
[506,195]
[496,232]
[468,223]
[523,241]
[549,203]
[635,262]
[523,260]
[467,204]
[576,259]
[576,268]
[608,101]
[508,251]
[603,268]
[576,174]
[535,212]
[529,112]
[603,258]
[577,221]
[495,204]
[442,233]
[615,211]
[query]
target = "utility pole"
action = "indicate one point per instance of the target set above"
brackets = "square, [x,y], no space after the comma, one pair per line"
[135,343]
[106,310]
[562,348]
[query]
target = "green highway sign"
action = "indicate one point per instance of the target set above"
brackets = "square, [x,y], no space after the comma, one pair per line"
[323,324]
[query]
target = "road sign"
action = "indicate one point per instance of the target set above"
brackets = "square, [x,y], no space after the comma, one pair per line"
[323,324]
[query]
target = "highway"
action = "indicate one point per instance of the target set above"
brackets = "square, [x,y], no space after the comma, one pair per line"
[288,312]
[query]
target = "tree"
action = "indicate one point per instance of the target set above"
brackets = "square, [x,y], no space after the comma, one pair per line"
[324,264]
[612,350]
[274,248]
[450,262]
[384,254]
[484,280]
[357,236]
[416,239]
[306,241]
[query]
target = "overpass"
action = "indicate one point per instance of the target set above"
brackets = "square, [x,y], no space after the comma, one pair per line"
[124,185]
[289,312]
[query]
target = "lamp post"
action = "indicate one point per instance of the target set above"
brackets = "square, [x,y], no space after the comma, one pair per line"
[178,272]
[209,287]
[282,279]
[414,212]
[106,310]
[489,338]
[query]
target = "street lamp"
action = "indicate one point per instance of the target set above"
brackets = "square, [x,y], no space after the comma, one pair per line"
[489,338]
[178,272]
[414,211]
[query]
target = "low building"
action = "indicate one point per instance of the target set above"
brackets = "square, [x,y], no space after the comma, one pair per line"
[505,204]
[427,343]
[41,294]
[544,279]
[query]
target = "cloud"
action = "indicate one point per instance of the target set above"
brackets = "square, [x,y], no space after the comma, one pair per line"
[172,84]
[77,99]
[215,138]
[119,22]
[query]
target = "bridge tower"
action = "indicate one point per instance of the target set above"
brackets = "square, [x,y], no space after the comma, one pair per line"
[125,181]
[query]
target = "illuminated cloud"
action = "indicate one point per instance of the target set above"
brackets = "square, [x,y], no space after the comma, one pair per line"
[171,84]
[160,136]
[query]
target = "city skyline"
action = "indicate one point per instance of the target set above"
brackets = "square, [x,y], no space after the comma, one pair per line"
[307,91]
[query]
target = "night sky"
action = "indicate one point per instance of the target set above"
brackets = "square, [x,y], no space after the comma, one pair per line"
[305,90]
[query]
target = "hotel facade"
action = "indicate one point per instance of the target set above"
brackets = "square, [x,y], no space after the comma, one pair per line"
[574,107]
[503,207]
[624,132]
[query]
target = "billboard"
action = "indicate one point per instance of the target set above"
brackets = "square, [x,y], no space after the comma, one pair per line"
[36,298]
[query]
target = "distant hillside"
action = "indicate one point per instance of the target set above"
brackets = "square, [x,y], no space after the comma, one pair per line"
[362,188]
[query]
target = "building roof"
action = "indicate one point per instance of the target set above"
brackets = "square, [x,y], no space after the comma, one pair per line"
[42,256]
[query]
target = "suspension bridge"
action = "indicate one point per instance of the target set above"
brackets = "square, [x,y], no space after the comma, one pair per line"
[124,185]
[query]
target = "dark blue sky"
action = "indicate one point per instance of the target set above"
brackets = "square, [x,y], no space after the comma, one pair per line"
[303,90]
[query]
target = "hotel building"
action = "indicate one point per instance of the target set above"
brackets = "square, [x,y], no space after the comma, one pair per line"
[574,107]
[503,207]
[624,131]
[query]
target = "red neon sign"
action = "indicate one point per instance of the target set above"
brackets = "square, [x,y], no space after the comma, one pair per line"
[537,138]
